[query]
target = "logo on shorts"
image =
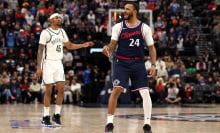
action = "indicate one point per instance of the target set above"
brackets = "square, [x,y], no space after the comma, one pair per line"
[116,82]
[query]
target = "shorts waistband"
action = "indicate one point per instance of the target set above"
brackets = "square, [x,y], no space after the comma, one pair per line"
[128,58]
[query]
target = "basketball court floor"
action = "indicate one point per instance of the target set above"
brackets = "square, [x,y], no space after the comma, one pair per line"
[23,118]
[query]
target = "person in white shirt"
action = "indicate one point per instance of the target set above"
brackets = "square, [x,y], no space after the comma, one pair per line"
[67,92]
[49,64]
[67,58]
[160,63]
[29,18]
[91,17]
[173,94]
[143,5]
[35,90]
[76,89]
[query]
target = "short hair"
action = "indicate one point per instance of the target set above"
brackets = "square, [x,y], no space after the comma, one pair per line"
[135,5]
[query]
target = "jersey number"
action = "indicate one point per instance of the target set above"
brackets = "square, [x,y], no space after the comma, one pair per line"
[134,42]
[58,48]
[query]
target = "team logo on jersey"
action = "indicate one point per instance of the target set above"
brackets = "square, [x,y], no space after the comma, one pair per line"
[127,35]
[116,82]
[194,117]
[56,40]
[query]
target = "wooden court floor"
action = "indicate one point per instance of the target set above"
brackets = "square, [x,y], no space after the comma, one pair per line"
[23,118]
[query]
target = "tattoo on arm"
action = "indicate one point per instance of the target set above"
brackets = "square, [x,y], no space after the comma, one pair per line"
[112,45]
[153,54]
[40,55]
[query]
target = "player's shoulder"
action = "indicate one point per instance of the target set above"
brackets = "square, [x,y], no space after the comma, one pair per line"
[119,24]
[45,31]
[146,27]
[62,29]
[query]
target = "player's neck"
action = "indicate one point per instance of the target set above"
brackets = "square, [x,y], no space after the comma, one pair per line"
[54,27]
[133,21]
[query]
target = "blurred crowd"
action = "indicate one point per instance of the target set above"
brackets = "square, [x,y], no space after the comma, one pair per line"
[181,75]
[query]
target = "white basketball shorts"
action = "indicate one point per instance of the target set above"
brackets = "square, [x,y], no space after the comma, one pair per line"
[52,72]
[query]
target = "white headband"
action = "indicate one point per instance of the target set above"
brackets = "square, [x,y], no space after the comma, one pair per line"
[54,15]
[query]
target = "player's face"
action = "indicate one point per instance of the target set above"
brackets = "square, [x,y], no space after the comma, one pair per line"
[128,11]
[57,21]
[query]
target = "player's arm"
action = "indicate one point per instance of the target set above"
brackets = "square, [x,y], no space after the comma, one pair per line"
[110,48]
[152,51]
[42,43]
[39,59]
[70,45]
[153,54]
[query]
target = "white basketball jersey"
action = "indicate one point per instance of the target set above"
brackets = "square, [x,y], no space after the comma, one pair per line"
[53,41]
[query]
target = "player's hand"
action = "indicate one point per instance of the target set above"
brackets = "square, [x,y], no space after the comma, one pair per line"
[152,71]
[88,44]
[105,51]
[38,73]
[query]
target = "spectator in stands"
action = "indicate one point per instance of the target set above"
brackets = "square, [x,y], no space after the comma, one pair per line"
[21,39]
[160,23]
[169,63]
[25,92]
[216,19]
[87,83]
[174,6]
[19,16]
[4,77]
[160,90]
[35,90]
[215,65]
[2,39]
[15,89]
[201,66]
[161,72]
[91,16]
[217,30]
[172,45]
[160,63]
[175,71]
[76,90]
[201,81]
[142,4]
[5,92]
[10,38]
[190,64]
[148,64]
[67,59]
[29,18]
[108,77]
[210,81]
[189,92]
[173,94]
[212,6]
[67,92]
[65,18]
[95,83]
[187,9]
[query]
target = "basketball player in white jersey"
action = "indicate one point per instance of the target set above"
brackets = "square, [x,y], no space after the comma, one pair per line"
[49,64]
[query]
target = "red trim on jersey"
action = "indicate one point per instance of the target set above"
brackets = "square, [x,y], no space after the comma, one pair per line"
[118,87]
[128,58]
[142,30]
[139,89]
[126,22]
[120,29]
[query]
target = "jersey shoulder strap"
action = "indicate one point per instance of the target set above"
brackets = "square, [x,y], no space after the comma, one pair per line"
[62,32]
[49,34]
